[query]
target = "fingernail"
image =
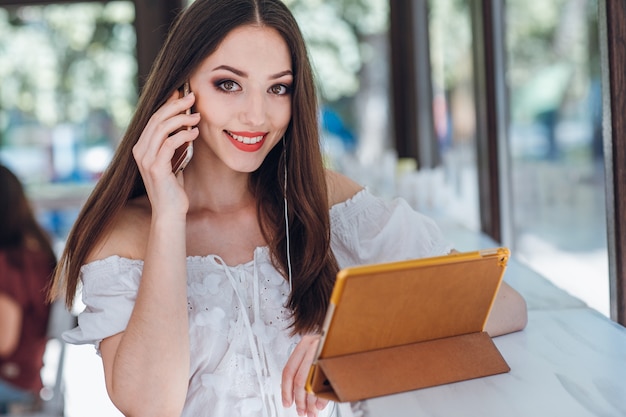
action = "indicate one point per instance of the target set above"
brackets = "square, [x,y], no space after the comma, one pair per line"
[300,412]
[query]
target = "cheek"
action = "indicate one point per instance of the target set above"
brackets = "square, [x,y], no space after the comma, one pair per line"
[213,115]
[282,115]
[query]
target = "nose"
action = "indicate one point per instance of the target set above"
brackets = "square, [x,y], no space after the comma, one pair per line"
[254,109]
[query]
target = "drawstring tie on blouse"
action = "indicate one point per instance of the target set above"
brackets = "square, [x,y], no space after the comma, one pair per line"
[255,332]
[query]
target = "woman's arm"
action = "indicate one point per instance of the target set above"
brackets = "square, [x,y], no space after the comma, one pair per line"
[10,325]
[147,366]
[508,314]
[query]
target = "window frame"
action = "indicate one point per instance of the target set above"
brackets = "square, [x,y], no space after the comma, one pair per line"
[612,35]
[411,82]
[492,119]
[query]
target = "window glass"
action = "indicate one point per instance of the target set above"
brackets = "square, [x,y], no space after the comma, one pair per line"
[557,165]
[67,90]
[351,65]
[454,111]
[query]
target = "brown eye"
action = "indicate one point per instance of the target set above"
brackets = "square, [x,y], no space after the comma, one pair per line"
[228,86]
[279,89]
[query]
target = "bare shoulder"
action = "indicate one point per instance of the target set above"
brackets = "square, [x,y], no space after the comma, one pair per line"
[128,233]
[340,187]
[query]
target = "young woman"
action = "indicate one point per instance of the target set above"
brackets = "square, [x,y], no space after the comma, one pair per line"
[26,265]
[205,290]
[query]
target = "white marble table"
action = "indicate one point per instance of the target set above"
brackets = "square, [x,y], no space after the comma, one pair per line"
[566,363]
[570,361]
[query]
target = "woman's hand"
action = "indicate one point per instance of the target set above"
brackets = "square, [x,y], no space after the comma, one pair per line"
[295,375]
[155,148]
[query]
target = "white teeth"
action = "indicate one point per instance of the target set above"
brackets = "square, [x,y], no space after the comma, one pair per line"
[245,139]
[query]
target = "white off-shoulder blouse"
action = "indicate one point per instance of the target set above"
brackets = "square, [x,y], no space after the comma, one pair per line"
[238,323]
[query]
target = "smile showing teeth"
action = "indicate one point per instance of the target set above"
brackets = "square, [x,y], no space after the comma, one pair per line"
[245,139]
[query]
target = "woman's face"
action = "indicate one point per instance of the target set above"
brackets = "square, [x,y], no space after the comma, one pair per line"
[243,94]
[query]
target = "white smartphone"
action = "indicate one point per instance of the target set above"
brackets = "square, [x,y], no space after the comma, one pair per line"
[183,154]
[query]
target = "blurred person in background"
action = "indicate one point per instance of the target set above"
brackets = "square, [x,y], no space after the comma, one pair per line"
[27,262]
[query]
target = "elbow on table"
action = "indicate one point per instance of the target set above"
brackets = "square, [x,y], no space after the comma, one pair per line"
[509,313]
[519,318]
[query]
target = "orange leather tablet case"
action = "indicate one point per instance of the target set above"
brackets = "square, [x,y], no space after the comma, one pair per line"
[407,325]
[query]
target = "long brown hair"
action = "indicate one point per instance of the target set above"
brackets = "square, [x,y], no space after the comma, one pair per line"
[196,34]
[19,229]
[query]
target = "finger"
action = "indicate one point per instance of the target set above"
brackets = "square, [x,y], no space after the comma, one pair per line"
[175,124]
[160,164]
[164,111]
[148,144]
[166,120]
[175,104]
[321,403]
[177,140]
[299,390]
[157,134]
[180,122]
[289,373]
[311,407]
[158,130]
[305,402]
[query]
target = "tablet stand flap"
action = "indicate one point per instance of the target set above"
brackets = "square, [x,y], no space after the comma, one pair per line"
[391,370]
[318,384]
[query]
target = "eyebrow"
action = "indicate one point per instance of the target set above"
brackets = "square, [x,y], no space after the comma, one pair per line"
[245,75]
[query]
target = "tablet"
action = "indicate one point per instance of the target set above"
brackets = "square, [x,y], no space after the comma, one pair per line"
[384,306]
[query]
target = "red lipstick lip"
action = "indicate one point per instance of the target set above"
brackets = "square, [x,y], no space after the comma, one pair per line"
[246,147]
